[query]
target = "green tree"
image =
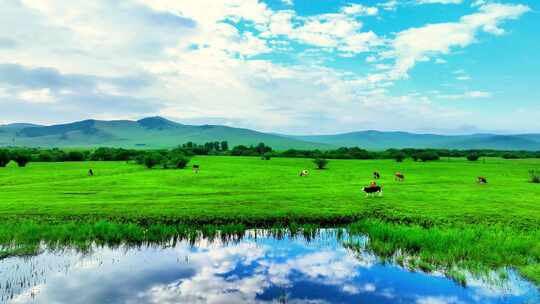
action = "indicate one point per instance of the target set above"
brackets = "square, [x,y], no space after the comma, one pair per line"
[473,156]
[5,157]
[399,156]
[320,162]
[75,156]
[152,159]
[21,158]
[175,160]
[428,156]
[224,146]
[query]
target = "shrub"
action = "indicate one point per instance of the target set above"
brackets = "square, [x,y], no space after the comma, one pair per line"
[21,158]
[534,176]
[152,159]
[176,161]
[320,162]
[399,156]
[5,157]
[510,155]
[473,156]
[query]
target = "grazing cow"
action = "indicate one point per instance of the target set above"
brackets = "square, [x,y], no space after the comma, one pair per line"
[304,172]
[399,176]
[376,175]
[196,168]
[373,190]
[90,172]
[482,180]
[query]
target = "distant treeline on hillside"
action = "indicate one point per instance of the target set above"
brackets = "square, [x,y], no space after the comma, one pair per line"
[260,150]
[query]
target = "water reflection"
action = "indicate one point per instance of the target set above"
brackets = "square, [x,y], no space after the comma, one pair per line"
[254,270]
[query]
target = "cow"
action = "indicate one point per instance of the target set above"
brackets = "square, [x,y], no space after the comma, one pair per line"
[196,168]
[373,190]
[90,172]
[399,176]
[481,180]
[376,175]
[304,172]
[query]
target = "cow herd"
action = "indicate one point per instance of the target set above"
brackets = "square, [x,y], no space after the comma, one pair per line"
[371,190]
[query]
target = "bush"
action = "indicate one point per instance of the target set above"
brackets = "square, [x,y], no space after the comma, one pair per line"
[428,156]
[399,156]
[5,157]
[534,176]
[473,156]
[320,162]
[176,161]
[152,159]
[21,158]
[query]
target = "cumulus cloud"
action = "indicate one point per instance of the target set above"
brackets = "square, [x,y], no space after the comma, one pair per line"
[419,44]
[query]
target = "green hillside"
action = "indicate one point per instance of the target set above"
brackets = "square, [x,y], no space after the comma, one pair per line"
[152,132]
[158,132]
[375,140]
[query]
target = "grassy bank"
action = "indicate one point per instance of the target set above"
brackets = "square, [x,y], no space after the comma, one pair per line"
[439,215]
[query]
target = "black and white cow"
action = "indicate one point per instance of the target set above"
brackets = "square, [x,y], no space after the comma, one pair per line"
[304,173]
[373,190]
[376,175]
[196,168]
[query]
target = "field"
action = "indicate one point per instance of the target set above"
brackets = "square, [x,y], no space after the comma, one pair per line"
[502,217]
[252,190]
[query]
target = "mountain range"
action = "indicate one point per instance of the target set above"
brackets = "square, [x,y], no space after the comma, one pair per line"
[158,132]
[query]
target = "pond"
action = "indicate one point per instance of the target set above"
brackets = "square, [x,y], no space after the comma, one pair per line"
[259,268]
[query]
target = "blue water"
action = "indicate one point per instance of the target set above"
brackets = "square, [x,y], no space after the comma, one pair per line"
[255,270]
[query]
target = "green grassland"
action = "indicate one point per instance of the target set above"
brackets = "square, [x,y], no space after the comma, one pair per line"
[439,213]
[249,189]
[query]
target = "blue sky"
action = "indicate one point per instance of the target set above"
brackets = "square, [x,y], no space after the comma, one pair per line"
[293,66]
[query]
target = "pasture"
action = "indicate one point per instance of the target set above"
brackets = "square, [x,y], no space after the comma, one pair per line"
[254,191]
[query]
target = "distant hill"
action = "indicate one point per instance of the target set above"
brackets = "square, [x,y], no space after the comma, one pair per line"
[151,132]
[158,132]
[376,140]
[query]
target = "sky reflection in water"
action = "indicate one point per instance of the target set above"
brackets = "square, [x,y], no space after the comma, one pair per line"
[261,270]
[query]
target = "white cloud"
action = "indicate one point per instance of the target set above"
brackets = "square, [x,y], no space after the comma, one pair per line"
[389,5]
[438,300]
[416,44]
[439,1]
[466,95]
[37,96]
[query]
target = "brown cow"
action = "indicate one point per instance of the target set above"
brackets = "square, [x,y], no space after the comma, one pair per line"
[399,176]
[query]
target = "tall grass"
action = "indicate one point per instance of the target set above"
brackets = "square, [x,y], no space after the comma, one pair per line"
[475,248]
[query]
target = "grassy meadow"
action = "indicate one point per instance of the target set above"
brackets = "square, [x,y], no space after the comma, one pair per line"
[251,190]
[439,213]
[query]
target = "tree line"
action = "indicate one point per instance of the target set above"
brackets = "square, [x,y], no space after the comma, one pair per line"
[177,156]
